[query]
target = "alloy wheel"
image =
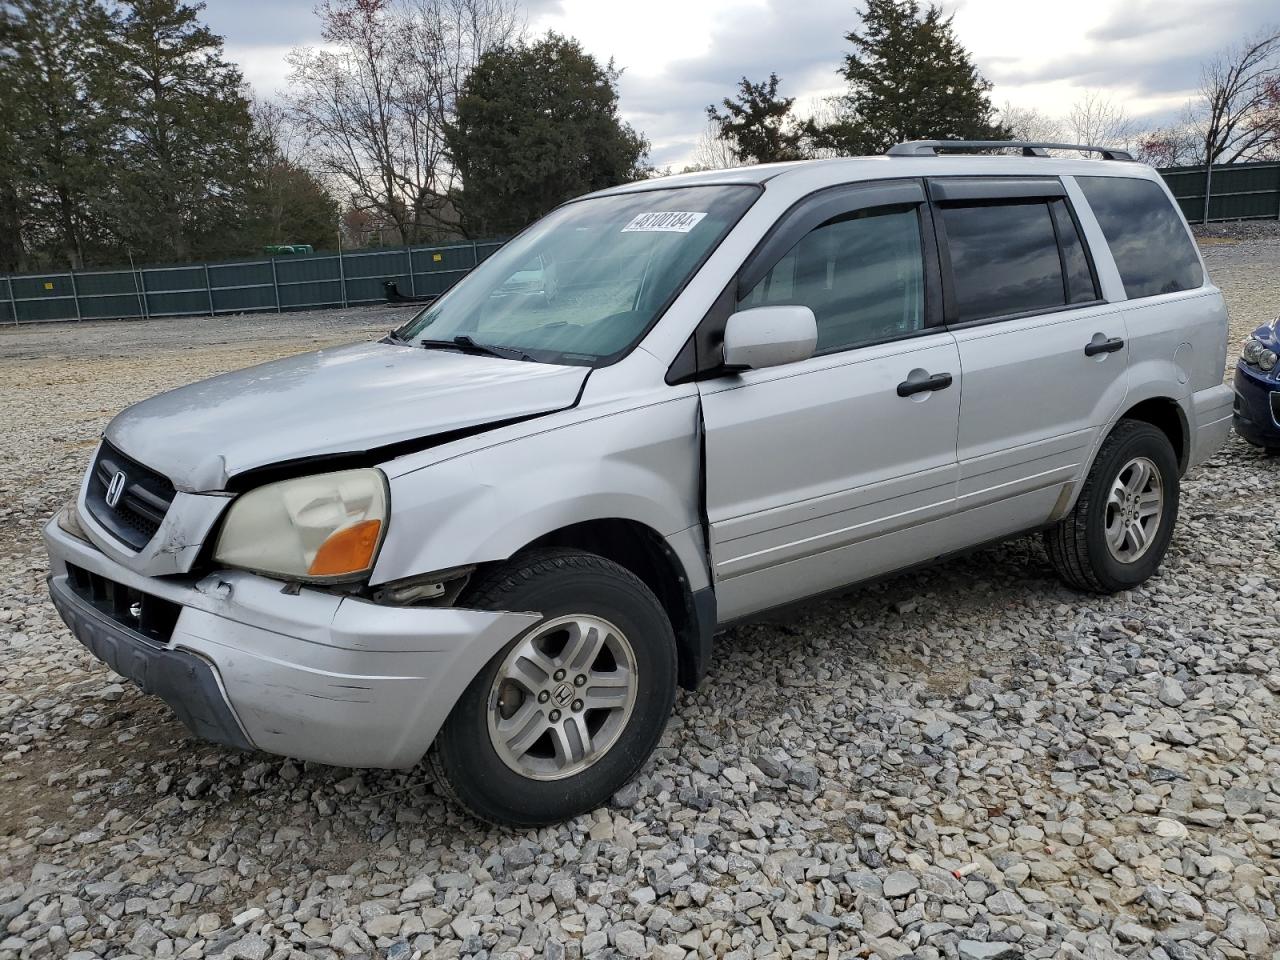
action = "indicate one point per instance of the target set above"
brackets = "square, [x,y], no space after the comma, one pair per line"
[562,697]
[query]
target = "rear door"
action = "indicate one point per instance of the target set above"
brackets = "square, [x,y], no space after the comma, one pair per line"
[837,468]
[1043,356]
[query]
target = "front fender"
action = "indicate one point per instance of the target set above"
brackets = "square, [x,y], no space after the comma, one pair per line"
[639,464]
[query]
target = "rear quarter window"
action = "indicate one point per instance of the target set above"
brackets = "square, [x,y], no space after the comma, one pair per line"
[1148,240]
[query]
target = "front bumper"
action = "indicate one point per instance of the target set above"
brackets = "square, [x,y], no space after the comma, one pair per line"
[311,675]
[1257,408]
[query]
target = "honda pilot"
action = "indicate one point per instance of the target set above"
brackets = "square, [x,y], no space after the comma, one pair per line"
[500,539]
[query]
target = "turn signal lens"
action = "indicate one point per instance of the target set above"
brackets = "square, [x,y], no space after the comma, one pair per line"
[350,550]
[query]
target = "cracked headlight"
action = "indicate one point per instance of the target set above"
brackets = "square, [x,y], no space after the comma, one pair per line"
[324,528]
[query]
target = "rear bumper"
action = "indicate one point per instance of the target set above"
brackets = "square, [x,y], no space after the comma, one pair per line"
[1212,411]
[311,675]
[1256,404]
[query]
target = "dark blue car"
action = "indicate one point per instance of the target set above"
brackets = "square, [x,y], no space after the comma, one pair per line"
[1257,410]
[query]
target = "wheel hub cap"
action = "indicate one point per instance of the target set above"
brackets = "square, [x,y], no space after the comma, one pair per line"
[1134,510]
[562,697]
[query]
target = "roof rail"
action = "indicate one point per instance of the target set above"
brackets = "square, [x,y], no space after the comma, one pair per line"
[930,148]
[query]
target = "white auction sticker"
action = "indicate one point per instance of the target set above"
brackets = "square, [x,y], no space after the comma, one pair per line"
[664,221]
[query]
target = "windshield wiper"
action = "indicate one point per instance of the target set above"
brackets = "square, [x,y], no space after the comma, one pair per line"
[466,342]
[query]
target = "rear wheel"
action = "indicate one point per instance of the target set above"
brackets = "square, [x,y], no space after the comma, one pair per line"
[1117,533]
[568,711]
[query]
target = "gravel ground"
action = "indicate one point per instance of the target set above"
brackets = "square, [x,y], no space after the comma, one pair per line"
[1103,775]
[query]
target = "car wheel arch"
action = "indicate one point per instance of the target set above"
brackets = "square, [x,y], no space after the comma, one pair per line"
[1166,415]
[645,552]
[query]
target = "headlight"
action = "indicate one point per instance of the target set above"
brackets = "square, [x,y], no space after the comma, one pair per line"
[1251,351]
[324,528]
[1267,360]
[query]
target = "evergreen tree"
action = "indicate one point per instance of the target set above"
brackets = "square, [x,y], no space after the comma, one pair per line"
[58,127]
[758,123]
[909,78]
[189,153]
[11,245]
[537,123]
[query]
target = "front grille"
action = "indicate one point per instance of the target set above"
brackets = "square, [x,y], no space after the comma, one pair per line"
[143,501]
[153,617]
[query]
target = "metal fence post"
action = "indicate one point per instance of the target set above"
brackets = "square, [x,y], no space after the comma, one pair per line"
[208,289]
[13,303]
[146,305]
[75,294]
[275,283]
[1208,190]
[413,287]
[342,278]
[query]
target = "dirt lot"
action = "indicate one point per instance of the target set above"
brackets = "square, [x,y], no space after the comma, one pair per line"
[1107,770]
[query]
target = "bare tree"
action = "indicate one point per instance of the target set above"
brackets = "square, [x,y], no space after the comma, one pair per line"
[275,126]
[1030,123]
[374,102]
[1238,117]
[1169,146]
[819,113]
[1097,119]
[712,151]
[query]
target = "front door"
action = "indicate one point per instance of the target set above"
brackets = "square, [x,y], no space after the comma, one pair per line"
[837,468]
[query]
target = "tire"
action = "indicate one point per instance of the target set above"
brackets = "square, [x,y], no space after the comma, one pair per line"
[1079,547]
[579,595]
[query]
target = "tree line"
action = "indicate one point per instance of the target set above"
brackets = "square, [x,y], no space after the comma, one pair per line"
[126,133]
[910,78]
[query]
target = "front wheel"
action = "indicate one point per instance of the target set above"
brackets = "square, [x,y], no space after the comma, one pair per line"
[1117,533]
[567,712]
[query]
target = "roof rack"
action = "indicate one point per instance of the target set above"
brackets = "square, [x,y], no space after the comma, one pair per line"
[930,148]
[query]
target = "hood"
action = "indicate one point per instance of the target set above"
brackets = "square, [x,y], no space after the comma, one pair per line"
[335,401]
[1269,333]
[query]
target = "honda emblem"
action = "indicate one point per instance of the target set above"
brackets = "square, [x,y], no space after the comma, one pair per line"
[115,489]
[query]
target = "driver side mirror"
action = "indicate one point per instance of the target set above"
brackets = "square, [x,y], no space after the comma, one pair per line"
[762,337]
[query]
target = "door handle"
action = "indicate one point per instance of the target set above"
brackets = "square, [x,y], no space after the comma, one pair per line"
[939,381]
[1095,347]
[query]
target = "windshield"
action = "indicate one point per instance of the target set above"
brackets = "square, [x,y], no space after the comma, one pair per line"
[586,282]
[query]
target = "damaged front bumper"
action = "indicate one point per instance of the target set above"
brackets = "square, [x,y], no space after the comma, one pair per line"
[306,674]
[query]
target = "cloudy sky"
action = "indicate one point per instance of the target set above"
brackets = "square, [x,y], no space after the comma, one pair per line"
[680,55]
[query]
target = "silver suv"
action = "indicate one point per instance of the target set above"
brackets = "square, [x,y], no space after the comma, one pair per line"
[501,537]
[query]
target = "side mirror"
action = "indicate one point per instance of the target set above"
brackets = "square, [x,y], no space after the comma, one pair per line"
[769,337]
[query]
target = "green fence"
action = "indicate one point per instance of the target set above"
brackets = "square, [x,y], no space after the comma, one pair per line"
[273,284]
[1236,191]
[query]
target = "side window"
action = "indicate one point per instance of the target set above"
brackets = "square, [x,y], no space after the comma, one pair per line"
[1004,259]
[1148,240]
[1081,286]
[862,275]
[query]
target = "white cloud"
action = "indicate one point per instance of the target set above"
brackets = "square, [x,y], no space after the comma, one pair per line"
[680,55]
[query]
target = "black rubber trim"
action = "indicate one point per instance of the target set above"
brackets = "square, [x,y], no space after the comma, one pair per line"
[186,682]
[701,651]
